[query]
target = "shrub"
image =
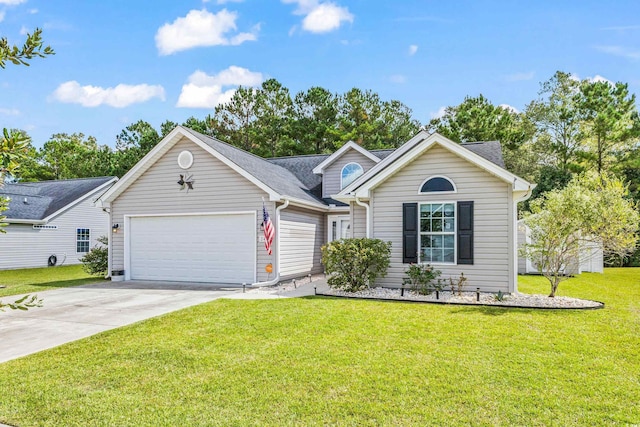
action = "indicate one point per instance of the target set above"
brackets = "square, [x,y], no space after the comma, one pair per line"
[420,276]
[458,284]
[355,264]
[96,261]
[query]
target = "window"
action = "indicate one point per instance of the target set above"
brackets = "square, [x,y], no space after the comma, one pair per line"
[350,172]
[437,184]
[82,240]
[437,233]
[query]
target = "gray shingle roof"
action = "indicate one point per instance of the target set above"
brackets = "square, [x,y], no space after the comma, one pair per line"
[274,176]
[293,176]
[490,150]
[46,197]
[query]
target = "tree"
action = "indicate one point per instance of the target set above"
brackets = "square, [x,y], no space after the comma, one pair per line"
[235,121]
[558,121]
[314,127]
[133,143]
[477,119]
[32,48]
[360,118]
[610,118]
[274,110]
[15,144]
[398,124]
[591,208]
[68,156]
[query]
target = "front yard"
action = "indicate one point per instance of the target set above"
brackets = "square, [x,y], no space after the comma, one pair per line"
[320,361]
[34,280]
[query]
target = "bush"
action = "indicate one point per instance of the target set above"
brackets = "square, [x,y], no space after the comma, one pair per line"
[355,264]
[96,262]
[420,276]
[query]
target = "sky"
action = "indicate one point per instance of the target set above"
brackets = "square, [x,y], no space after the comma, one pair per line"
[119,61]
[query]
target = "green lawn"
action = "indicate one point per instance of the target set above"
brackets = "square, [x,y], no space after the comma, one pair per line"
[322,361]
[34,280]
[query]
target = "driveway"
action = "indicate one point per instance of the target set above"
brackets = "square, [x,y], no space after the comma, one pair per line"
[70,314]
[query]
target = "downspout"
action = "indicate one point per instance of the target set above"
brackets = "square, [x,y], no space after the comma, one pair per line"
[366,209]
[277,258]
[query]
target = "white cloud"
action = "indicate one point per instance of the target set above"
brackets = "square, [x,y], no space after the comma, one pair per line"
[201,28]
[33,11]
[2,12]
[518,77]
[398,78]
[225,1]
[120,96]
[321,17]
[620,51]
[24,31]
[9,111]
[596,78]
[413,49]
[440,113]
[599,78]
[12,2]
[510,108]
[205,91]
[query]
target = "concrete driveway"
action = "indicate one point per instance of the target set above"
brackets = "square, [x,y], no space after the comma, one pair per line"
[70,314]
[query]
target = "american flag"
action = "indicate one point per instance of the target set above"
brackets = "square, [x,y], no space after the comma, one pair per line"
[269,231]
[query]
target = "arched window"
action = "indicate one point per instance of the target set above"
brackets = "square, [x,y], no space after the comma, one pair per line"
[438,184]
[349,173]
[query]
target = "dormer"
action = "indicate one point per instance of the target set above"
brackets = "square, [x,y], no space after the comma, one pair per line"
[343,167]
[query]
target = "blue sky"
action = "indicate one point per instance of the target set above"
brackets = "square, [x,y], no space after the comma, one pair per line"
[121,61]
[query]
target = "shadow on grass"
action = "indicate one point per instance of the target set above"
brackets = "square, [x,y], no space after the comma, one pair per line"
[502,310]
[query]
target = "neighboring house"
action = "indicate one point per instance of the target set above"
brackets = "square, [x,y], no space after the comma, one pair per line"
[590,258]
[52,222]
[451,205]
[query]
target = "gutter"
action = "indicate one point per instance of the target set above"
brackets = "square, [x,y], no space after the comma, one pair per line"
[277,261]
[366,208]
[25,221]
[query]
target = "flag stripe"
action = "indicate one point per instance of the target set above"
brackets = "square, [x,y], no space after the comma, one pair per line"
[269,231]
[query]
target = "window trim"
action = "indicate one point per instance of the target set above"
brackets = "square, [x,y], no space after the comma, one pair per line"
[453,184]
[342,173]
[439,233]
[88,240]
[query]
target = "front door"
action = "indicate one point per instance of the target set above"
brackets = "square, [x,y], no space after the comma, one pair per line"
[339,227]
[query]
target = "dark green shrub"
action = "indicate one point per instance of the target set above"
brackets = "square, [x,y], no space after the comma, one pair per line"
[420,276]
[355,264]
[96,261]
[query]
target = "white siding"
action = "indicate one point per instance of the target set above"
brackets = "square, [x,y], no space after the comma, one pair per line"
[302,235]
[358,221]
[331,175]
[493,249]
[217,188]
[24,247]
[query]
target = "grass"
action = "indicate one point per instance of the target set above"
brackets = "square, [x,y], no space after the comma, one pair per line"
[34,280]
[320,361]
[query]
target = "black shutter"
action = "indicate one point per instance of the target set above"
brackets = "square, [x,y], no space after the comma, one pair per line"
[409,233]
[465,232]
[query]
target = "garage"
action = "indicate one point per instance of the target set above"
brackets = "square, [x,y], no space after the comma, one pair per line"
[218,248]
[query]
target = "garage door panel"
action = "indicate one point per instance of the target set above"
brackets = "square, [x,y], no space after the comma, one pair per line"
[202,248]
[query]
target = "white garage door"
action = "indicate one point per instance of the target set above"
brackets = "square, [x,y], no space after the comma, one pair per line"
[199,248]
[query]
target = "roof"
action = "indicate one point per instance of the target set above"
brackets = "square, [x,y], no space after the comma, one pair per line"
[486,155]
[289,177]
[279,178]
[38,201]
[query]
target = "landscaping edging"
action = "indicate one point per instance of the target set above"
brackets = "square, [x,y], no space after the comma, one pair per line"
[586,304]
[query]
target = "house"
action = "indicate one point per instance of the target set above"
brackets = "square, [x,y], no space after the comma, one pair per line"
[451,205]
[52,222]
[590,256]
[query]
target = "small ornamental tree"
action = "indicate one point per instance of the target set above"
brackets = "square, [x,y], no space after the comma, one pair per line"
[355,264]
[591,208]
[96,261]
